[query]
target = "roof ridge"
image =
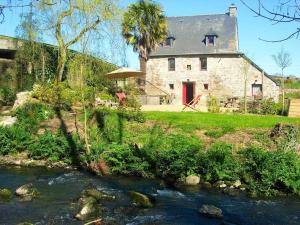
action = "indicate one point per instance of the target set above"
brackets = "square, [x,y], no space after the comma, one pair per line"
[218,14]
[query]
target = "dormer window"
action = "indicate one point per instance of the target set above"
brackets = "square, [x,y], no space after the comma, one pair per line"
[169,42]
[211,38]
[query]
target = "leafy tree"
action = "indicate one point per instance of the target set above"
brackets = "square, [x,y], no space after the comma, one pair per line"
[71,20]
[144,26]
[283,60]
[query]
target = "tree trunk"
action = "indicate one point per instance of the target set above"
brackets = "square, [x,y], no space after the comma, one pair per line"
[245,94]
[62,59]
[43,66]
[142,79]
[283,94]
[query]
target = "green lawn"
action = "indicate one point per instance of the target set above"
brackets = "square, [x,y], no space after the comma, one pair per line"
[295,85]
[190,121]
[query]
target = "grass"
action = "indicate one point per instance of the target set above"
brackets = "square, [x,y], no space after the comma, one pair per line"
[295,95]
[295,85]
[190,121]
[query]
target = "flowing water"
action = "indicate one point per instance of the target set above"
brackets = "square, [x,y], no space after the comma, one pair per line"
[59,188]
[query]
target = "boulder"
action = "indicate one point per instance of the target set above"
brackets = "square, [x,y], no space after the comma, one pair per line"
[222,186]
[5,195]
[192,180]
[89,210]
[7,121]
[98,195]
[25,223]
[22,98]
[27,192]
[237,184]
[211,211]
[140,199]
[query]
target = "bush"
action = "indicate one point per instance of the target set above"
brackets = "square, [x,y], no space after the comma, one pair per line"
[264,107]
[7,96]
[50,146]
[268,172]
[213,105]
[61,95]
[219,163]
[286,136]
[31,115]
[126,160]
[172,155]
[269,107]
[13,139]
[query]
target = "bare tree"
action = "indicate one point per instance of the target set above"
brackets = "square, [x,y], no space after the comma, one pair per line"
[283,60]
[245,67]
[283,12]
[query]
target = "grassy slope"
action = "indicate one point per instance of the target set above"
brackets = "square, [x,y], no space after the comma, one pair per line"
[190,121]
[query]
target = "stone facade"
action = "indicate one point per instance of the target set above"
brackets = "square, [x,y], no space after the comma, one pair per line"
[224,77]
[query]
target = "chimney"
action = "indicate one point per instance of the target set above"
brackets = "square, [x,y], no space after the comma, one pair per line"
[233,10]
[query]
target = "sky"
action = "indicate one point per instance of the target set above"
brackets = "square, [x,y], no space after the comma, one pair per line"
[251,28]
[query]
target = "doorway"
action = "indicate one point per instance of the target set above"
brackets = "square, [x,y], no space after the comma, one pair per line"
[188,90]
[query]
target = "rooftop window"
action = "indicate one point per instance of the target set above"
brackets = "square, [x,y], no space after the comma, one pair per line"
[169,42]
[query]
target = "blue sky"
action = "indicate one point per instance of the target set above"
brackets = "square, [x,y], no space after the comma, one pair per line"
[251,28]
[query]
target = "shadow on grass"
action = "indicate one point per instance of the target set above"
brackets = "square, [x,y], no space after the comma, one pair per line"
[102,124]
[69,137]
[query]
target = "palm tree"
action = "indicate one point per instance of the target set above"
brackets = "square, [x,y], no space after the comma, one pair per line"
[144,27]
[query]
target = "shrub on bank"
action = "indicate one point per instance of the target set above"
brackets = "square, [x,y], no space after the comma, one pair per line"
[219,163]
[31,115]
[269,172]
[13,139]
[7,96]
[126,160]
[54,147]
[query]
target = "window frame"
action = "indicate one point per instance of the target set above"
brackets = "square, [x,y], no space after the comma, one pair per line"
[169,64]
[202,68]
[171,86]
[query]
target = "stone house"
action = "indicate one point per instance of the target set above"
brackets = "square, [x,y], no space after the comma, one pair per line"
[201,57]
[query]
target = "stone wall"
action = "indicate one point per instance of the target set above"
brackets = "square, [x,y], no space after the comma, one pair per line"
[224,76]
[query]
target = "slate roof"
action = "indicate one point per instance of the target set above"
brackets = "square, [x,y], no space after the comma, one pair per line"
[190,31]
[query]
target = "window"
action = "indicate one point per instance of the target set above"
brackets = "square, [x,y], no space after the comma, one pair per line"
[171,86]
[171,64]
[169,42]
[257,90]
[203,63]
[210,40]
[189,67]
[205,86]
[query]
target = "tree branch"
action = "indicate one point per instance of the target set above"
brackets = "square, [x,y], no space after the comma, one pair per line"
[64,14]
[278,16]
[83,31]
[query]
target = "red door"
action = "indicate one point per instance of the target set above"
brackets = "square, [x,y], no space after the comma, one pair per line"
[183,93]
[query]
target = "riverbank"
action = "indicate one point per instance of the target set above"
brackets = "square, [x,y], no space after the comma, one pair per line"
[122,142]
[60,189]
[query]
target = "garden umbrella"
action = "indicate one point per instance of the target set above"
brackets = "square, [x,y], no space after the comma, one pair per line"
[123,73]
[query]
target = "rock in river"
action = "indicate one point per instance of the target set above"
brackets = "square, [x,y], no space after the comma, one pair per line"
[98,195]
[90,209]
[192,180]
[5,195]
[140,199]
[27,192]
[211,211]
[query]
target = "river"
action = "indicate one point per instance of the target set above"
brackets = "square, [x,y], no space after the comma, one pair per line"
[59,188]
